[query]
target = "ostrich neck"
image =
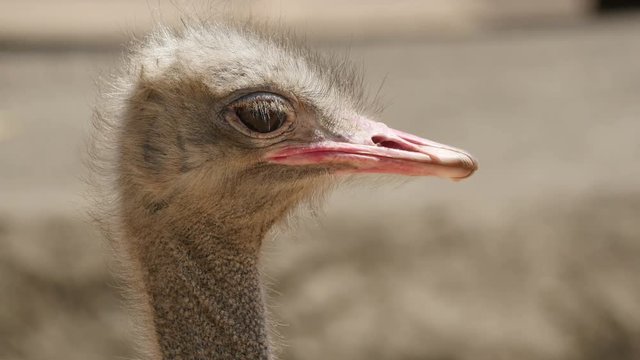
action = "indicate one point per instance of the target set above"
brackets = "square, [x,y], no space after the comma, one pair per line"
[205,295]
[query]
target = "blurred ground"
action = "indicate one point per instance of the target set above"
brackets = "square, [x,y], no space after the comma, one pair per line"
[533,258]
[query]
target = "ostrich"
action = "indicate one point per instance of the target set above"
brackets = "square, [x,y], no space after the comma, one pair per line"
[210,135]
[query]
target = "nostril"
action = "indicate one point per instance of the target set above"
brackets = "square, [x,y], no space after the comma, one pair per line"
[386,142]
[391,145]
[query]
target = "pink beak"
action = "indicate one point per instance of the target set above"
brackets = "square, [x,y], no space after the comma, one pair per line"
[377,148]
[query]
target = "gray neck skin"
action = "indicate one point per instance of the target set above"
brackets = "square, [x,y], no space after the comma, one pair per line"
[205,295]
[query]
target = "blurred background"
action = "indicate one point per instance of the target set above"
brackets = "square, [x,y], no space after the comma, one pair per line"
[535,257]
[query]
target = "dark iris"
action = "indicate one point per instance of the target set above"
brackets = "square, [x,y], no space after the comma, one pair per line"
[262,113]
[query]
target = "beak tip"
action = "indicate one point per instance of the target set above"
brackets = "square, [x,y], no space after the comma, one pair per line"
[471,164]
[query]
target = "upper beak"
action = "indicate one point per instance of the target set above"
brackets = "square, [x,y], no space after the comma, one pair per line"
[376,148]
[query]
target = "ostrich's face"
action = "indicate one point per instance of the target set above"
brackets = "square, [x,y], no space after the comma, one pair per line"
[239,116]
[288,132]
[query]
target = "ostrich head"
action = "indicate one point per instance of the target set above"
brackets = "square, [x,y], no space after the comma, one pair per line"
[218,132]
[232,123]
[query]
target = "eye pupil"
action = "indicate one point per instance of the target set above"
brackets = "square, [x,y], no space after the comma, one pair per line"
[262,114]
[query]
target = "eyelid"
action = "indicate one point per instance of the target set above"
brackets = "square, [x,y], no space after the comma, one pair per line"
[261,96]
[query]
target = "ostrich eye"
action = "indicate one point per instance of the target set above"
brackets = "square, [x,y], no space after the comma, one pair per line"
[262,112]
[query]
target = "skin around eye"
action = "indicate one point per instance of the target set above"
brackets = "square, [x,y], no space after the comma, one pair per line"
[260,114]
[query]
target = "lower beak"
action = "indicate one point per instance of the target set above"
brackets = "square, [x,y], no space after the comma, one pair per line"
[380,149]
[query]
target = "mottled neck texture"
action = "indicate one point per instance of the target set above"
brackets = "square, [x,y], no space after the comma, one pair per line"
[205,296]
